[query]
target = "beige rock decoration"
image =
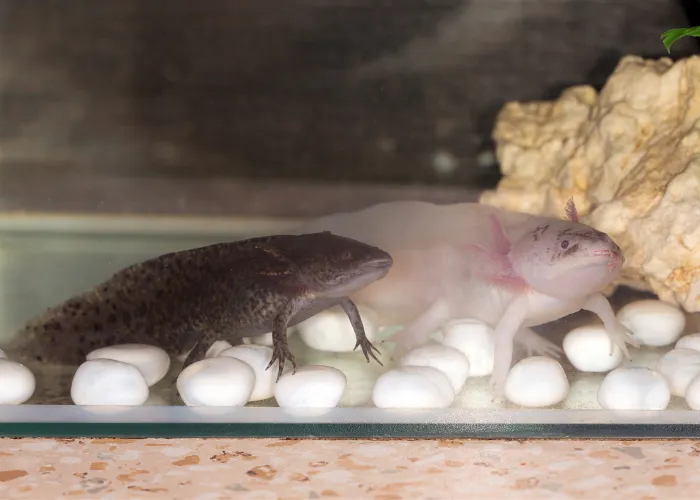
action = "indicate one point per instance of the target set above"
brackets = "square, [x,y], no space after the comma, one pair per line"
[630,157]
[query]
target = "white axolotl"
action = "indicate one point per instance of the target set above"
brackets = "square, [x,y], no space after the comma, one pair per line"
[509,270]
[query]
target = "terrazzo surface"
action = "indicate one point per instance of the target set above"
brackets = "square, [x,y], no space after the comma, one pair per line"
[220,469]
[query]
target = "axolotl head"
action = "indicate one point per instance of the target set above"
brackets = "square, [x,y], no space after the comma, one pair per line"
[566,258]
[336,266]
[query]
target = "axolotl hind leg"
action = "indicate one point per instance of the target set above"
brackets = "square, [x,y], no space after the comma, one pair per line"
[280,345]
[419,331]
[503,336]
[200,342]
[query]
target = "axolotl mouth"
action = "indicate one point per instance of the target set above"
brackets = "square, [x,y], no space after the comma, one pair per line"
[615,258]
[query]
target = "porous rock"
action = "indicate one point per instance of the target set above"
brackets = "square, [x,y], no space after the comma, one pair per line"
[628,157]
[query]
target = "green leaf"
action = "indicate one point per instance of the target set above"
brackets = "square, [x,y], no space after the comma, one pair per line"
[671,36]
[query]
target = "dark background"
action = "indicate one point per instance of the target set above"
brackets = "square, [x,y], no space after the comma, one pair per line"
[344,90]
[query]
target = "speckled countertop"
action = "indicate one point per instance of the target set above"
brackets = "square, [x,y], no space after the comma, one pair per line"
[218,469]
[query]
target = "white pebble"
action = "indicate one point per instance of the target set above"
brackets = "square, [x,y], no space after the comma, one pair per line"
[536,382]
[331,330]
[360,375]
[634,389]
[312,386]
[101,382]
[258,357]
[2,354]
[152,361]
[679,367]
[588,349]
[413,387]
[692,394]
[17,383]
[450,361]
[217,348]
[220,381]
[475,340]
[653,322]
[691,341]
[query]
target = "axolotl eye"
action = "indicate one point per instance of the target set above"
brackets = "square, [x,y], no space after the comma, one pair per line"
[564,244]
[345,255]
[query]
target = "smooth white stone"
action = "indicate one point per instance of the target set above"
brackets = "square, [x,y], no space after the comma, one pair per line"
[331,330]
[360,375]
[217,348]
[634,389]
[588,349]
[691,341]
[17,383]
[692,394]
[450,361]
[475,340]
[2,354]
[106,382]
[220,381]
[536,382]
[653,322]
[153,362]
[679,367]
[413,387]
[258,357]
[312,386]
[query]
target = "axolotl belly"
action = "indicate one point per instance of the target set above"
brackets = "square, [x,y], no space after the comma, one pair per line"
[467,260]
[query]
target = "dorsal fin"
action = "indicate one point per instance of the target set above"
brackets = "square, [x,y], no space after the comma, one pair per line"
[571,212]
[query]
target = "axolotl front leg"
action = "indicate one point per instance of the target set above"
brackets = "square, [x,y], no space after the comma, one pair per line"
[619,335]
[358,327]
[517,312]
[280,345]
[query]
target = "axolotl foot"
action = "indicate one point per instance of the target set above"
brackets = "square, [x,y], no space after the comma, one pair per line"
[367,349]
[536,345]
[497,382]
[621,336]
[281,353]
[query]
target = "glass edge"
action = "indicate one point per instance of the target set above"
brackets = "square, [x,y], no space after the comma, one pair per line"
[139,430]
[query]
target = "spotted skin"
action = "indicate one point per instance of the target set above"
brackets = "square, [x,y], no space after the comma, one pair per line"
[184,301]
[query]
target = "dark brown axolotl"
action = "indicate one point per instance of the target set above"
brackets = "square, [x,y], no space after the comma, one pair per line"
[184,301]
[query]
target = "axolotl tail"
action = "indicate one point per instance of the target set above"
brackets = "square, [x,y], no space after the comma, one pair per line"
[60,334]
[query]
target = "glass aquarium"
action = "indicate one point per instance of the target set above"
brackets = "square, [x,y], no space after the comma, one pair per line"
[529,166]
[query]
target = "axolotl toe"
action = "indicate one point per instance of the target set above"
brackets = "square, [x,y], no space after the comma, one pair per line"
[184,301]
[468,260]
